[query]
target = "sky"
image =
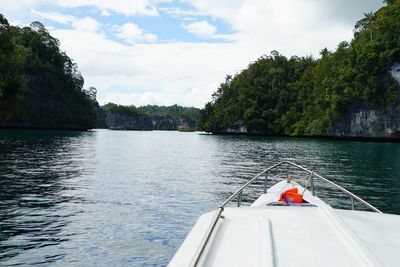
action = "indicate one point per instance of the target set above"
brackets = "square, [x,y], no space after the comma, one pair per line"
[165,52]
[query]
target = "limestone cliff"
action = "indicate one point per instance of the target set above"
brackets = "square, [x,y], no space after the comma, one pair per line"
[185,124]
[395,72]
[364,120]
[126,121]
[122,121]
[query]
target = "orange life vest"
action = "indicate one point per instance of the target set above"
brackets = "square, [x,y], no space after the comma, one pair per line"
[291,195]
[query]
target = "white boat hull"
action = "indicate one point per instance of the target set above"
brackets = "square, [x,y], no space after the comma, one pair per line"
[312,235]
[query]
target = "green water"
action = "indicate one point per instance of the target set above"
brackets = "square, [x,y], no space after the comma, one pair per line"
[125,198]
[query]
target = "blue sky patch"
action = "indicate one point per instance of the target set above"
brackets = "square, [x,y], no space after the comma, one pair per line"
[171,24]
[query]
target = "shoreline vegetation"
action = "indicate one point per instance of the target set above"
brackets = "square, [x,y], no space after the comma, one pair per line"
[40,86]
[321,137]
[352,93]
[148,118]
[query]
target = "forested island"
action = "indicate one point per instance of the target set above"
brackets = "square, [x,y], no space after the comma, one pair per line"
[40,86]
[353,91]
[150,117]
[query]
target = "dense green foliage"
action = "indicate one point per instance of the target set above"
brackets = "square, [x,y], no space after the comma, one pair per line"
[305,96]
[171,117]
[174,111]
[129,110]
[40,86]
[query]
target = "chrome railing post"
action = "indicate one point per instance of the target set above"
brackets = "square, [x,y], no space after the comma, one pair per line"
[287,170]
[352,202]
[265,182]
[240,199]
[312,186]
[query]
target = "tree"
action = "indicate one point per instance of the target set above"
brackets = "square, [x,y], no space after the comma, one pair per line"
[389,2]
[304,96]
[369,19]
[3,22]
[40,85]
[92,93]
[364,24]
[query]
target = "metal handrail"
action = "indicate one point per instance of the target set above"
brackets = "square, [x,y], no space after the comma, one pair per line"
[204,241]
[249,182]
[312,173]
[199,252]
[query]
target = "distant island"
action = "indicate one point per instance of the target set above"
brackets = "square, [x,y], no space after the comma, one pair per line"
[353,91]
[150,117]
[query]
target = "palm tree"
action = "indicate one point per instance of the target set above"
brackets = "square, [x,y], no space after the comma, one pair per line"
[369,18]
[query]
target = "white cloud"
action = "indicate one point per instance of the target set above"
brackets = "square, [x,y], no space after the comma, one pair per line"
[131,33]
[20,5]
[149,37]
[292,27]
[162,71]
[107,7]
[86,24]
[187,72]
[54,16]
[200,28]
[20,12]
[180,13]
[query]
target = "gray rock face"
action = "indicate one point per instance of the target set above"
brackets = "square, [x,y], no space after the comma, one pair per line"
[167,123]
[186,125]
[120,121]
[237,128]
[123,121]
[241,129]
[395,72]
[364,120]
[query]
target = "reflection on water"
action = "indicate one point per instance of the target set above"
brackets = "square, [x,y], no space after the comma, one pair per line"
[40,174]
[129,198]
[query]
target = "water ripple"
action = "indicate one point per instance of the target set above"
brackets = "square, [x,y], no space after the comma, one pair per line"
[124,198]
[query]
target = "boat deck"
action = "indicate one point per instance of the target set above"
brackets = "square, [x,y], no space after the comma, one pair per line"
[278,233]
[295,236]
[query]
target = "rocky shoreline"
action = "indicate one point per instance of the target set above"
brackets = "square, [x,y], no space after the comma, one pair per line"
[361,122]
[121,121]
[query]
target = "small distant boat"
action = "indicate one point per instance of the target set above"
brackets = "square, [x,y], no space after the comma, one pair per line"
[288,225]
